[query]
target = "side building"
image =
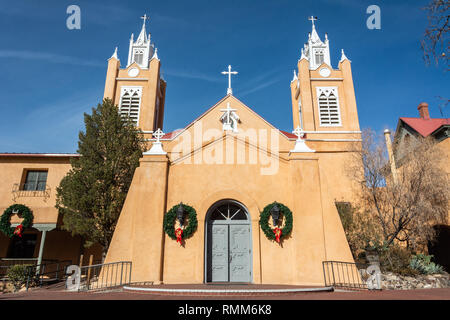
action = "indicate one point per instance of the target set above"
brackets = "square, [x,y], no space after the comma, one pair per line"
[410,130]
[31,179]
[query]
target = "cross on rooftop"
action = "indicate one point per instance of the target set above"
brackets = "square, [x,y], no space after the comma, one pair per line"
[144,17]
[158,134]
[229,73]
[299,132]
[312,19]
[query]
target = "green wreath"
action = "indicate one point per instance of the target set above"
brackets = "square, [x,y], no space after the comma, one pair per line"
[264,221]
[21,210]
[171,215]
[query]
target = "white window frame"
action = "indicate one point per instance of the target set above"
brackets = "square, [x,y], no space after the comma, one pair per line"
[131,90]
[327,91]
[319,52]
[139,51]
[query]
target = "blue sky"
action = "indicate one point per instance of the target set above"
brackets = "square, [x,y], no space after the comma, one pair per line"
[51,75]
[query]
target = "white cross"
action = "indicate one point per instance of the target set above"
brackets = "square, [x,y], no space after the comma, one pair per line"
[228,112]
[158,134]
[312,19]
[156,148]
[229,73]
[299,132]
[144,17]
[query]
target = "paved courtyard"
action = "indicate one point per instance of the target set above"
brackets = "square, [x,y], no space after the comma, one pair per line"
[420,294]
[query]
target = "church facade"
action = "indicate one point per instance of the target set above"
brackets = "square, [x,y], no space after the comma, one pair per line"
[230,164]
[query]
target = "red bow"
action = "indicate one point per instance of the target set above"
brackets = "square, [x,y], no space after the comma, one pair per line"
[179,234]
[277,232]
[18,230]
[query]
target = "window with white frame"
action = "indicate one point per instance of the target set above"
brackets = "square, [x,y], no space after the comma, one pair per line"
[319,56]
[130,103]
[329,113]
[139,56]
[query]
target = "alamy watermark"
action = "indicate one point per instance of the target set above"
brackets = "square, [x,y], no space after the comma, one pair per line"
[374,20]
[73,21]
[74,277]
[250,146]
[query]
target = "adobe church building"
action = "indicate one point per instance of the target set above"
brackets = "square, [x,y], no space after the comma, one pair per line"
[228,165]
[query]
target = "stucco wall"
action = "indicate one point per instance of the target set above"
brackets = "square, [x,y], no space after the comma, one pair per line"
[59,244]
[307,183]
[13,171]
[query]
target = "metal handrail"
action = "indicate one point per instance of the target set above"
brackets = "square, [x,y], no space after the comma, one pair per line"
[105,276]
[346,275]
[38,272]
[26,259]
[5,263]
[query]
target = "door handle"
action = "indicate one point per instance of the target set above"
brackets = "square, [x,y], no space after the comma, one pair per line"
[229,258]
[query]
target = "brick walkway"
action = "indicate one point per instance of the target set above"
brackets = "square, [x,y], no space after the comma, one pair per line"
[421,294]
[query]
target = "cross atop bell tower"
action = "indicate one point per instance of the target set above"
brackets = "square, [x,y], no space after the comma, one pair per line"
[141,50]
[138,89]
[323,98]
[316,50]
[144,17]
[312,19]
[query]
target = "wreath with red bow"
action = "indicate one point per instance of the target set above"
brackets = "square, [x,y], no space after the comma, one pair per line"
[277,234]
[5,220]
[180,233]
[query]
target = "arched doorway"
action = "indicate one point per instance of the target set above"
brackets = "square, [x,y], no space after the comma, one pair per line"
[440,247]
[228,244]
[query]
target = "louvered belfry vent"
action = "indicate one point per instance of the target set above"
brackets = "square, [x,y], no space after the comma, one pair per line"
[130,102]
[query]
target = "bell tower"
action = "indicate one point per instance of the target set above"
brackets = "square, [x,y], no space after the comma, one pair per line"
[138,89]
[323,98]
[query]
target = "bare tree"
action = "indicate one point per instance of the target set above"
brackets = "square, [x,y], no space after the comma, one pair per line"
[435,44]
[404,210]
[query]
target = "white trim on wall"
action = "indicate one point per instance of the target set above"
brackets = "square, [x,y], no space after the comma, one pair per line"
[131,90]
[328,108]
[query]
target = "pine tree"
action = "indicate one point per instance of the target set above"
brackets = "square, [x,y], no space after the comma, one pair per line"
[90,197]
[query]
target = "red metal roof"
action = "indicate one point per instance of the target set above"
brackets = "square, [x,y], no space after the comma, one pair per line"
[425,126]
[171,135]
[288,134]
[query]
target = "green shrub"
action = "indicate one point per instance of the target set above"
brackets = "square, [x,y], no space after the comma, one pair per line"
[423,264]
[18,275]
[396,259]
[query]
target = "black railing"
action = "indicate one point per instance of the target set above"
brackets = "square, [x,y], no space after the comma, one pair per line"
[345,275]
[105,276]
[31,190]
[47,273]
[5,263]
[37,274]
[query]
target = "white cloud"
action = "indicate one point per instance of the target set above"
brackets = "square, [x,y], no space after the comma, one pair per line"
[262,81]
[51,127]
[261,86]
[191,75]
[49,57]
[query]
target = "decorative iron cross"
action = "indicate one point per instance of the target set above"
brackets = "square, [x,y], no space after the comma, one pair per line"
[158,134]
[229,73]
